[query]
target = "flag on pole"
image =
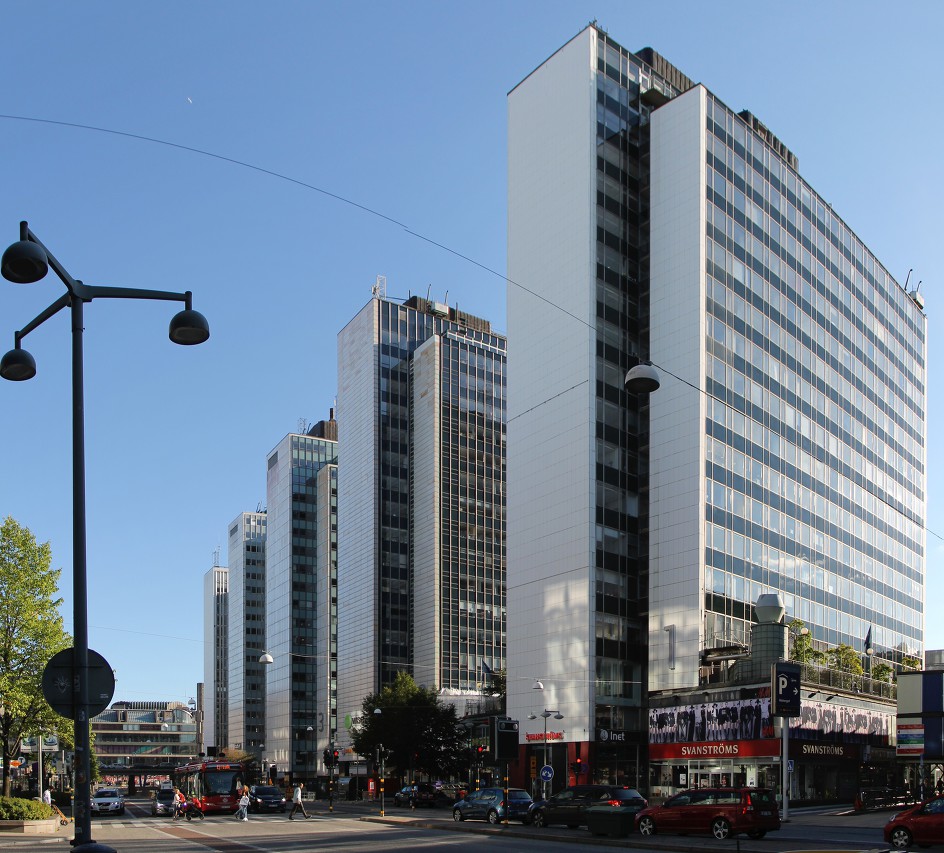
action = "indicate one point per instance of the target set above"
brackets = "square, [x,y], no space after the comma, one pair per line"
[868,639]
[487,669]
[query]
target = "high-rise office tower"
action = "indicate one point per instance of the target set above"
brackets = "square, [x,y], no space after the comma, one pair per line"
[216,654]
[785,450]
[246,629]
[301,600]
[421,425]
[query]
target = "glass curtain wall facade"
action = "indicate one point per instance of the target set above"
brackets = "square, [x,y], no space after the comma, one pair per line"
[216,654]
[246,629]
[301,602]
[457,479]
[382,530]
[815,430]
[785,450]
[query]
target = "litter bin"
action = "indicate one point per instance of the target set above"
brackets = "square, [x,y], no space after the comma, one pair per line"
[614,821]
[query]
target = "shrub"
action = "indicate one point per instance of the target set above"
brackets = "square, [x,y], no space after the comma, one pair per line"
[14,808]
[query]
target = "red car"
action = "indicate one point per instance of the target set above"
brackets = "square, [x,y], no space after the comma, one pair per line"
[921,824]
[722,812]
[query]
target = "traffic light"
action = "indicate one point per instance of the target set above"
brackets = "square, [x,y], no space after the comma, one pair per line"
[327,758]
[577,767]
[334,758]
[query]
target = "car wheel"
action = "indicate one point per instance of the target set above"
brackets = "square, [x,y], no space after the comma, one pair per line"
[457,815]
[493,816]
[720,828]
[757,833]
[900,838]
[647,826]
[539,820]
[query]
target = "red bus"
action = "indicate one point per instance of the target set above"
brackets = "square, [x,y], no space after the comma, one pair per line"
[217,784]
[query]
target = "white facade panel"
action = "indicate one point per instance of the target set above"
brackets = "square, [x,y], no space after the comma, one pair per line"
[677,411]
[551,307]
[358,533]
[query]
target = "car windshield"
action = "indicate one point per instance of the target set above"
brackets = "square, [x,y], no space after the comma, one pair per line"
[104,793]
[165,795]
[518,795]
[266,791]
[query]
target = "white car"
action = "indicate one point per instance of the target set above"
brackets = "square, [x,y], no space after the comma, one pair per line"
[107,801]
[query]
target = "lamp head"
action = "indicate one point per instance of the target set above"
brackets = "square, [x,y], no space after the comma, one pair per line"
[558,716]
[266,658]
[642,378]
[537,686]
[377,712]
[189,327]
[17,365]
[24,262]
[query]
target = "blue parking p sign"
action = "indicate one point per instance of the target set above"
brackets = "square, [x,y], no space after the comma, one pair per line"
[785,689]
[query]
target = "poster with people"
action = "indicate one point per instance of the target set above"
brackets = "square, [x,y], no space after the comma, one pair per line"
[750,719]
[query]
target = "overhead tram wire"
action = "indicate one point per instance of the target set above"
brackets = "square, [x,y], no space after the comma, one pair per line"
[140,137]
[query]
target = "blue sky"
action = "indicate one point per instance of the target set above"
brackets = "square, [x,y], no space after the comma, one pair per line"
[399,108]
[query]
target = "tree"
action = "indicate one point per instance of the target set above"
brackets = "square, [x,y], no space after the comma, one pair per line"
[417,731]
[31,632]
[845,659]
[882,672]
[803,650]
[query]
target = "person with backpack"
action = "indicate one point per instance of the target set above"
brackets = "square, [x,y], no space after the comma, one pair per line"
[297,804]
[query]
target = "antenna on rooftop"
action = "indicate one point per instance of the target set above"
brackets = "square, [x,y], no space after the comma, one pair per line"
[379,287]
[216,555]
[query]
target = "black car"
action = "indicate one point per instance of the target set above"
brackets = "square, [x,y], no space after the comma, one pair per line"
[266,798]
[570,805]
[421,794]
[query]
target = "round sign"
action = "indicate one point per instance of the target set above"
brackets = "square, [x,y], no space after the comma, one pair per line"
[547,773]
[60,684]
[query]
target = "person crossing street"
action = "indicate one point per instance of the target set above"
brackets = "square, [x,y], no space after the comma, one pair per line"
[297,804]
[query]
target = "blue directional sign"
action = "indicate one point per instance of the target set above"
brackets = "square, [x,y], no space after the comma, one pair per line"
[785,689]
[547,773]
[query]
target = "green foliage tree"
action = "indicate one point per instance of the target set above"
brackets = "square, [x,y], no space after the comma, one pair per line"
[910,662]
[802,650]
[882,672]
[845,659]
[31,632]
[417,731]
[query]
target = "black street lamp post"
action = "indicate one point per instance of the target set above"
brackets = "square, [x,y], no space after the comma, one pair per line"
[25,262]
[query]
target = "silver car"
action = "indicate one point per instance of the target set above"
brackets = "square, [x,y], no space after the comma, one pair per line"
[107,801]
[164,802]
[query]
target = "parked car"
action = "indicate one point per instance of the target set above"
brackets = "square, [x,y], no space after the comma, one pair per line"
[163,802]
[569,806]
[266,798]
[921,824]
[723,812]
[489,804]
[107,801]
[421,794]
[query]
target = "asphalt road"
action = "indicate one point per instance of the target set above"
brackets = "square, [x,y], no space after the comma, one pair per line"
[359,827]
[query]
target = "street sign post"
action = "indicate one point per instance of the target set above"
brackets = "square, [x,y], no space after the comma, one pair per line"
[61,688]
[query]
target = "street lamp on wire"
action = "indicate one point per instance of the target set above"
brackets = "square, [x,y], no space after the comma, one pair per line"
[25,262]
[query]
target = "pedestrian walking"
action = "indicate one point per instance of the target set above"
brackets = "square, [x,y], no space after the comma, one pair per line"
[47,797]
[242,811]
[297,804]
